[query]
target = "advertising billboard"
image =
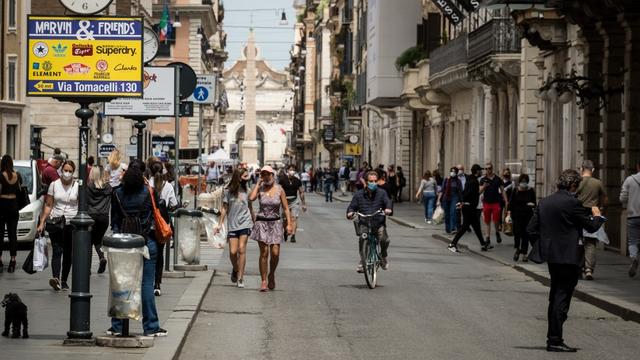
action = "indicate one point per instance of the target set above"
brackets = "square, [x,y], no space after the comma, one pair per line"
[159,96]
[84,57]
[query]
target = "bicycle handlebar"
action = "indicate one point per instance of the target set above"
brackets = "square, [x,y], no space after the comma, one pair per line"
[379,212]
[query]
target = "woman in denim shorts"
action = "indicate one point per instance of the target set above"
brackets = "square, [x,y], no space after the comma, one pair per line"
[238,212]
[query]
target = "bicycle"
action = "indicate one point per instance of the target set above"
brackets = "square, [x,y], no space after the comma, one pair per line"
[371,249]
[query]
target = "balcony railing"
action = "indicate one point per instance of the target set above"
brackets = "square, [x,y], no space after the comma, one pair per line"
[448,55]
[498,36]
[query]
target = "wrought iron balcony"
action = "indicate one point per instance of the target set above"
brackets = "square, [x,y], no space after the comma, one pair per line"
[498,36]
[449,55]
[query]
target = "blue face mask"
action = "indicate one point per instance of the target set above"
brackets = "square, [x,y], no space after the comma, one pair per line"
[372,186]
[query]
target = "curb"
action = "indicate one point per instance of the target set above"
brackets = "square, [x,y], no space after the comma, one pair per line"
[606,305]
[181,319]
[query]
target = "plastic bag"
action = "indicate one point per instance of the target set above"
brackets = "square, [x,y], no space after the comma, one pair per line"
[125,281]
[218,240]
[600,234]
[40,254]
[438,215]
[189,238]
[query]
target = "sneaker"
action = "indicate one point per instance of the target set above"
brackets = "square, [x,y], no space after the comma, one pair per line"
[158,333]
[103,266]
[429,222]
[241,284]
[453,248]
[633,269]
[156,290]
[384,264]
[55,284]
[234,276]
[516,255]
[111,332]
[498,238]
[360,269]
[588,275]
[525,258]
[486,247]
[286,237]
[64,286]
[293,238]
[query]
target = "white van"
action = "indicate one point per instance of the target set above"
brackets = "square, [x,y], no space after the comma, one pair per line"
[30,214]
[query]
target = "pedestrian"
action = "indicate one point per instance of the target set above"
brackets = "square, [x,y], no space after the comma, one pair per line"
[384,184]
[520,209]
[468,204]
[99,194]
[50,171]
[630,199]
[313,180]
[592,193]
[507,185]
[167,201]
[133,199]
[238,212]
[492,193]
[115,168]
[213,175]
[10,189]
[353,178]
[427,191]
[304,178]
[360,180]
[451,194]
[463,181]
[343,176]
[392,181]
[328,184]
[402,183]
[439,183]
[267,229]
[90,163]
[557,224]
[295,199]
[61,205]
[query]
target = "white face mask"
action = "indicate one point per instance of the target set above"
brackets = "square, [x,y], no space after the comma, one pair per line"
[452,174]
[67,175]
[292,173]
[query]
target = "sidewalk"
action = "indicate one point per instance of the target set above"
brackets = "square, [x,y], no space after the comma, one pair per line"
[612,290]
[49,313]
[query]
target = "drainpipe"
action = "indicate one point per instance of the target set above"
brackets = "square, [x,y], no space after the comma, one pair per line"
[3,31]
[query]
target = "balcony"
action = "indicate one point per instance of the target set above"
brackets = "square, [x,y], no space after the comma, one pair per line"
[448,66]
[494,52]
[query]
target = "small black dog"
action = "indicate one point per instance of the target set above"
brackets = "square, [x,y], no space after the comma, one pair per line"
[15,314]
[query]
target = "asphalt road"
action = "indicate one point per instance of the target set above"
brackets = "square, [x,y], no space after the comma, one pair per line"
[431,304]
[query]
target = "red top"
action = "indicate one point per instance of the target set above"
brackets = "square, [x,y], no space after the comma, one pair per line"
[49,175]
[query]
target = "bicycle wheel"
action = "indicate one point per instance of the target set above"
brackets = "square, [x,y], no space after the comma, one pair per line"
[371,266]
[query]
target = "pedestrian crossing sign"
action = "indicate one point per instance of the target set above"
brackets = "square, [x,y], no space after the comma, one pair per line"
[205,90]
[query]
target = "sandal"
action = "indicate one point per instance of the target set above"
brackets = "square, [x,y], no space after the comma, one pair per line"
[263,287]
[272,282]
[12,266]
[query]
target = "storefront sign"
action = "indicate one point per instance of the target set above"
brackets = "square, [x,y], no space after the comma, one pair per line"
[470,5]
[329,133]
[449,10]
[84,57]
[105,149]
[159,96]
[353,149]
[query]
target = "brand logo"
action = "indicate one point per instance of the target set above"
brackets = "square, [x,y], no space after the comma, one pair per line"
[122,67]
[115,50]
[40,49]
[449,10]
[148,78]
[47,66]
[102,65]
[82,50]
[35,66]
[76,68]
[59,50]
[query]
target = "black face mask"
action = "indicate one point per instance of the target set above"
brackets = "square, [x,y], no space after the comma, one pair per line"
[243,182]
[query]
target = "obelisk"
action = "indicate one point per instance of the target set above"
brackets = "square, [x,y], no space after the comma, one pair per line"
[250,145]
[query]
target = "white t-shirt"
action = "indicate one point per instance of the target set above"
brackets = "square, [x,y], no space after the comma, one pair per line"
[65,200]
[304,176]
[167,194]
[115,175]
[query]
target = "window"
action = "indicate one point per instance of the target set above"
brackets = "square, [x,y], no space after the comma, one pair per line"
[11,140]
[12,78]
[12,15]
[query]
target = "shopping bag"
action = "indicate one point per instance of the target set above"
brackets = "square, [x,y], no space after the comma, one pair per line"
[438,215]
[600,234]
[40,254]
[507,226]
[27,266]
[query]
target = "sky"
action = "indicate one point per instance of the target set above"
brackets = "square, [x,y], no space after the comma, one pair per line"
[273,44]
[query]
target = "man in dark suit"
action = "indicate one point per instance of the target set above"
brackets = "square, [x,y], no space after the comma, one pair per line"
[468,205]
[556,228]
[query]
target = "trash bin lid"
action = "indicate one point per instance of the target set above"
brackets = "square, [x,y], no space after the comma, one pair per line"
[209,210]
[124,241]
[185,212]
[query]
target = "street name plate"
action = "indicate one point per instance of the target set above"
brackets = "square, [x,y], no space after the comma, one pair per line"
[105,149]
[159,96]
[84,56]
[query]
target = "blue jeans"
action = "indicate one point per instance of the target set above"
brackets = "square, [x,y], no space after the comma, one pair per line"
[450,213]
[150,322]
[328,192]
[428,200]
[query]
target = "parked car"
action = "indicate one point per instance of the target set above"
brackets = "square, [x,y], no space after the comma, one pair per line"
[30,214]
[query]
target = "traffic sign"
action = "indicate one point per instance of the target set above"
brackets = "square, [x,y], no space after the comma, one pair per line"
[105,149]
[188,79]
[205,90]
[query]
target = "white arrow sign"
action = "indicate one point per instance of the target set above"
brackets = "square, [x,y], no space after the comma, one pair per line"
[205,90]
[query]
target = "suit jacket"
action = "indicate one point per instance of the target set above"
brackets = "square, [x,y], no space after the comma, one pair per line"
[471,192]
[556,227]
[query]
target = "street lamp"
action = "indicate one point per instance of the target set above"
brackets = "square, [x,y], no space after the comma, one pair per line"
[283,19]
[176,21]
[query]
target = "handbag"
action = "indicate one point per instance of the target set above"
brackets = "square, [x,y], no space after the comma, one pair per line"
[27,266]
[163,230]
[55,225]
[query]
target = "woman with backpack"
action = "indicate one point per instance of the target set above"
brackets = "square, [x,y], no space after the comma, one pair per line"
[132,213]
[99,194]
[61,205]
[10,184]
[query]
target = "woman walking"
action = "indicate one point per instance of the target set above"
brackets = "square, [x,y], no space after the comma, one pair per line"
[10,184]
[392,181]
[133,199]
[520,209]
[61,205]
[115,168]
[402,183]
[267,229]
[238,212]
[451,195]
[167,202]
[427,189]
[99,194]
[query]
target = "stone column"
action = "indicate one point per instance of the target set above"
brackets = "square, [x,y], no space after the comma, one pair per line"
[631,25]
[612,117]
[501,130]
[539,168]
[250,145]
[489,139]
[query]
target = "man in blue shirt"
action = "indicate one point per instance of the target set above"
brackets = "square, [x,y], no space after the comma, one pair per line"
[368,201]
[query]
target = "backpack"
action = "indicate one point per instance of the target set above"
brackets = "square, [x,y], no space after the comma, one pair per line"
[130,224]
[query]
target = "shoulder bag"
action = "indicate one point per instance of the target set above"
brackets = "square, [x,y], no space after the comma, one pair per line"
[163,229]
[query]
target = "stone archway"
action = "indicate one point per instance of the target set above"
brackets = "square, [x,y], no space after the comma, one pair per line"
[259,138]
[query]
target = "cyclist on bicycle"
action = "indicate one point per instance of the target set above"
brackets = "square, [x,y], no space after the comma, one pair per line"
[368,201]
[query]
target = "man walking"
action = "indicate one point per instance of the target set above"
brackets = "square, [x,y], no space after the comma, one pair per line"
[294,191]
[468,205]
[492,191]
[630,199]
[50,171]
[591,192]
[556,228]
